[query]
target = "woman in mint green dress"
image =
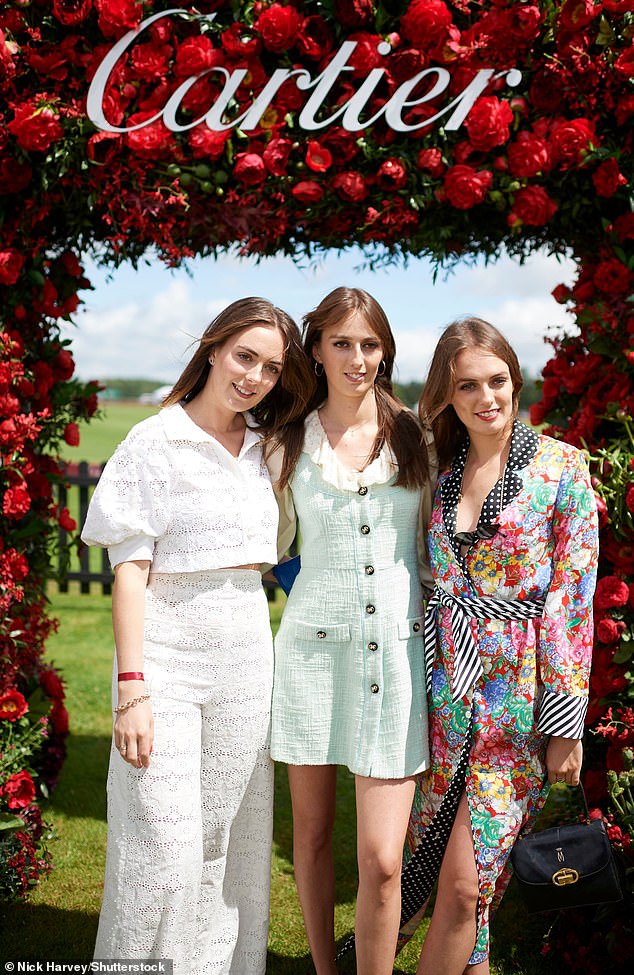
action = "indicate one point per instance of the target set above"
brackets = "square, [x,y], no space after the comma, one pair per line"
[349,686]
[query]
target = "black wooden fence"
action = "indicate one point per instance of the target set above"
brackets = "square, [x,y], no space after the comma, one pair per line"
[74,494]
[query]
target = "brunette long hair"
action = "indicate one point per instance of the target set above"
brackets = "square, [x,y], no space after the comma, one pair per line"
[435,410]
[398,426]
[287,400]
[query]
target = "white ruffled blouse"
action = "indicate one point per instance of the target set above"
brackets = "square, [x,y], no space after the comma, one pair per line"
[172,494]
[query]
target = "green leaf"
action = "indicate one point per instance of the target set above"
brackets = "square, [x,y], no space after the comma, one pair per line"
[7,821]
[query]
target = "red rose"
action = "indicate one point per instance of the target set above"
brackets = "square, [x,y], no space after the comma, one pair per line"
[570,140]
[624,227]
[342,144]
[365,56]
[71,434]
[561,293]
[151,61]
[12,705]
[528,155]
[65,521]
[63,365]
[487,123]
[629,498]
[35,126]
[249,168]
[115,16]
[465,186]
[51,684]
[195,55]
[392,175]
[276,156]
[239,42]
[206,143]
[624,64]
[307,191]
[576,14]
[70,263]
[153,141]
[318,158]
[314,40]
[59,719]
[11,262]
[607,178]
[533,206]
[16,502]
[19,790]
[70,12]
[612,277]
[430,161]
[537,413]
[354,13]
[611,591]
[350,186]
[609,630]
[426,23]
[278,26]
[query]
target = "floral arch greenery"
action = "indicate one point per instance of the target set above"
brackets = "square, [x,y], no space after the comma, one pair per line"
[444,128]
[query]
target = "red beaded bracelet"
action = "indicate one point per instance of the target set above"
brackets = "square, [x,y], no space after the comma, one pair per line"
[131,675]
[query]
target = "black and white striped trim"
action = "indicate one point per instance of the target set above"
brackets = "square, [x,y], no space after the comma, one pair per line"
[467,664]
[563,715]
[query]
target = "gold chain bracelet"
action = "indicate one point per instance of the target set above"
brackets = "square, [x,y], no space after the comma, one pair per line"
[132,703]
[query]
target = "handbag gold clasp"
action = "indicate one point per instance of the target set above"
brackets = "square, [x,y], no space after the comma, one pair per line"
[565,876]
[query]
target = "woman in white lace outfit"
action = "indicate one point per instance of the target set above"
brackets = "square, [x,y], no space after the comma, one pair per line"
[349,683]
[186,509]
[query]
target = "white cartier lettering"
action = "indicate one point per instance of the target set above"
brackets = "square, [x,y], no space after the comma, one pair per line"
[349,115]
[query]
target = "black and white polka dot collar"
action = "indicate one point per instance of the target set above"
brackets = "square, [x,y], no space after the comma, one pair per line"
[522,450]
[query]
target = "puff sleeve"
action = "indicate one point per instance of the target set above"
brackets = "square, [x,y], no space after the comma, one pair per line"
[129,509]
[566,631]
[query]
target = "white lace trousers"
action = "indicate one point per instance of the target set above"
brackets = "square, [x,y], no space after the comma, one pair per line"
[189,838]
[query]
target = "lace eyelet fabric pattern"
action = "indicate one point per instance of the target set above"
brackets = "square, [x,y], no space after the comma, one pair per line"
[189,838]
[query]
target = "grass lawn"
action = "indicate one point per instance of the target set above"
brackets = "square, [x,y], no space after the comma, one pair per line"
[100,436]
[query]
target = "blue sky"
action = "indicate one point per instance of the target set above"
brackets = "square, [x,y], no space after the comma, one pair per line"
[142,323]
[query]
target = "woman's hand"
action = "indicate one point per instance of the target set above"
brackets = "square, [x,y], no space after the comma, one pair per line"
[134,734]
[563,760]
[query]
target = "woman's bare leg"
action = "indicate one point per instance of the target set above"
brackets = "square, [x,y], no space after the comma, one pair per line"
[383,809]
[452,930]
[313,793]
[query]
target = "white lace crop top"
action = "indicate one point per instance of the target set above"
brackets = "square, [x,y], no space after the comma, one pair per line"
[174,495]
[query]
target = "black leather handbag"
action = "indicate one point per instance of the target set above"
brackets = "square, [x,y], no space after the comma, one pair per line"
[566,866]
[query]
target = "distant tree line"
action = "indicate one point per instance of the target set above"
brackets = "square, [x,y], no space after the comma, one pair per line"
[408,392]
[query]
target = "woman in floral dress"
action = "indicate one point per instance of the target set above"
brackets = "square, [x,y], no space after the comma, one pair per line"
[513,549]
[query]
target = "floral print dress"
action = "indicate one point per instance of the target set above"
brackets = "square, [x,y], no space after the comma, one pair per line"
[534,674]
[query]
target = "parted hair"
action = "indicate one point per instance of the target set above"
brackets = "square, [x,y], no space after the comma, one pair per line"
[287,400]
[398,426]
[434,409]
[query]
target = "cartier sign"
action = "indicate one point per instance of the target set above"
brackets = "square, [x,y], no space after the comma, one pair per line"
[311,117]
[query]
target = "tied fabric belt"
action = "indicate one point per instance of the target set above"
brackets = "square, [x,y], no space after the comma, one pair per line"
[467,663]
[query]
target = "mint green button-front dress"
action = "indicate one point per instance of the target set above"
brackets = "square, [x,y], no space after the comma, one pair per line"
[349,684]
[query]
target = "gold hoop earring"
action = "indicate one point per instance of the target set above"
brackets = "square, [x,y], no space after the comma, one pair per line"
[321,365]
